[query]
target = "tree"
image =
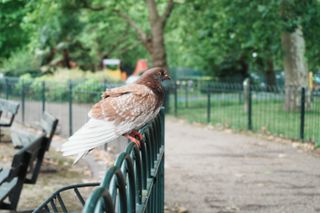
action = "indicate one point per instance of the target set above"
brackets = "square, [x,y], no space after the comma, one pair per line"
[231,31]
[153,38]
[12,36]
[293,43]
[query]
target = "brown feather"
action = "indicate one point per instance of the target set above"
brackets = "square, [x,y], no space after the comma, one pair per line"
[152,78]
[122,104]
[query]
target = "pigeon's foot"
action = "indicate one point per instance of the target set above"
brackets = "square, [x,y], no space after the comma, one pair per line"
[133,139]
[136,134]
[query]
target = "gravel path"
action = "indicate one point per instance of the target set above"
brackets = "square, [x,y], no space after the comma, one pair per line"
[218,171]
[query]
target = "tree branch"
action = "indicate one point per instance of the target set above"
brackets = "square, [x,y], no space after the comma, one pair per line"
[153,12]
[141,34]
[165,16]
[120,40]
[127,48]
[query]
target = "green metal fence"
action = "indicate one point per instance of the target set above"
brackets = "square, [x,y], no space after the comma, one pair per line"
[134,184]
[69,101]
[260,109]
[257,108]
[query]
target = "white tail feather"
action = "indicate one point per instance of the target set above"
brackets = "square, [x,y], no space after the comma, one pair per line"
[93,134]
[79,156]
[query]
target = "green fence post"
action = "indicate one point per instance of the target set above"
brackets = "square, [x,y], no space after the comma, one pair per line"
[161,175]
[249,106]
[22,102]
[240,95]
[209,105]
[43,95]
[175,99]
[167,99]
[302,112]
[186,94]
[7,88]
[70,107]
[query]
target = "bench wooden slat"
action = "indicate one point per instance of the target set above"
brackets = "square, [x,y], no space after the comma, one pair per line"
[4,174]
[17,176]
[10,109]
[21,138]
[5,123]
[9,106]
[7,187]
[48,123]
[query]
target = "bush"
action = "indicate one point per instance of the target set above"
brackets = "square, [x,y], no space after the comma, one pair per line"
[86,86]
[88,92]
[24,81]
[21,62]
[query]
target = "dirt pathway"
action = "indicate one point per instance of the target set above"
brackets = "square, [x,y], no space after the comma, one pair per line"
[216,171]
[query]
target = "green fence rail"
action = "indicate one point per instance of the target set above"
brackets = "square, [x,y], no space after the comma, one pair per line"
[134,184]
[63,99]
[229,105]
[256,108]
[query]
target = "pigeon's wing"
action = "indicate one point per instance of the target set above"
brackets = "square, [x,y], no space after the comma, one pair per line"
[112,117]
[125,105]
[118,91]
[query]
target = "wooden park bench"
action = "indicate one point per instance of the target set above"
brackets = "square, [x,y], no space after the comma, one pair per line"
[21,139]
[13,178]
[8,111]
[48,125]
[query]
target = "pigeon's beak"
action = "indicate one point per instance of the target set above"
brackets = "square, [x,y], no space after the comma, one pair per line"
[166,77]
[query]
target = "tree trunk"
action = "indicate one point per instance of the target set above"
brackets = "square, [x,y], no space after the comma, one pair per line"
[153,43]
[244,67]
[158,52]
[66,59]
[295,68]
[269,73]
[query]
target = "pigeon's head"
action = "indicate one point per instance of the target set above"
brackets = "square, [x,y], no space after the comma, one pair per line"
[157,73]
[153,78]
[164,75]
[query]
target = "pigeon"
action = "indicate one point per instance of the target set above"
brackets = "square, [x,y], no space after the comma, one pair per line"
[120,112]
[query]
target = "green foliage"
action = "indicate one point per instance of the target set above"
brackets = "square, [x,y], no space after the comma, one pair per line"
[86,86]
[12,36]
[88,36]
[205,34]
[24,82]
[21,62]
[200,34]
[88,92]
[56,91]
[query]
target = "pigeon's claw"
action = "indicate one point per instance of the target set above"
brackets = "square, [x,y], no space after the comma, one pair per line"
[136,134]
[133,139]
